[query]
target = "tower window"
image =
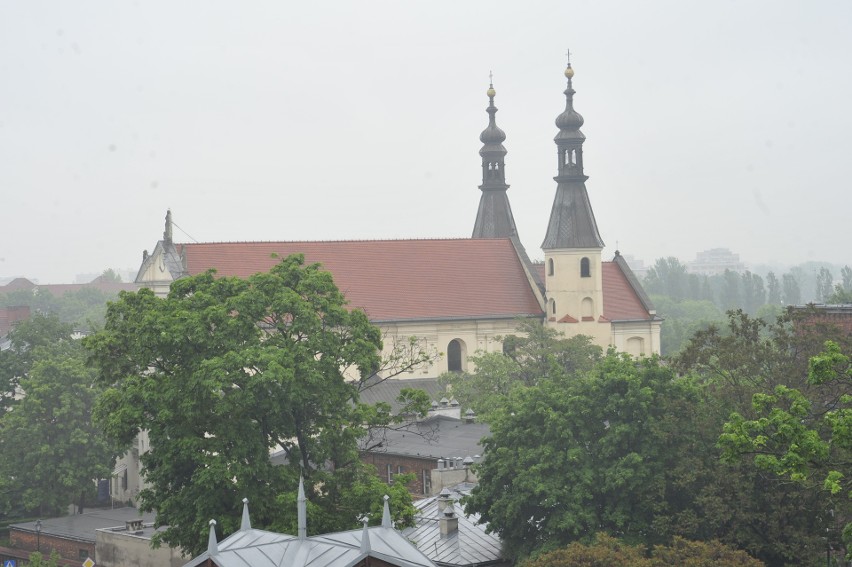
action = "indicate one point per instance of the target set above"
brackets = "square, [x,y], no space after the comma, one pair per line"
[585,268]
[550,267]
[553,306]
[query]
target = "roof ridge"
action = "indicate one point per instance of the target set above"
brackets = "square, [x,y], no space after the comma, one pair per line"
[424,239]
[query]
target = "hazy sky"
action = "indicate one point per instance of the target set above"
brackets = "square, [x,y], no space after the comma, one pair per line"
[708,124]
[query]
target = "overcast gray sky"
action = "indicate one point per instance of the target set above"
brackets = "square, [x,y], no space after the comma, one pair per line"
[708,124]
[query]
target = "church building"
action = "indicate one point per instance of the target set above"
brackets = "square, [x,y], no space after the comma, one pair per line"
[459,295]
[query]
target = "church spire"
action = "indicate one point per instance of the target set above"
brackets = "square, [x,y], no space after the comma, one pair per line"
[494,218]
[572,222]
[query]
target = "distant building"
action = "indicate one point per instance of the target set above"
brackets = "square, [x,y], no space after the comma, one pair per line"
[714,262]
[11,315]
[73,537]
[438,451]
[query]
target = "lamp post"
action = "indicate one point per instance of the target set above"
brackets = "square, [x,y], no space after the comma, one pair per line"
[38,534]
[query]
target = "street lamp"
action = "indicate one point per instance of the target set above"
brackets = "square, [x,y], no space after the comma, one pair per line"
[38,534]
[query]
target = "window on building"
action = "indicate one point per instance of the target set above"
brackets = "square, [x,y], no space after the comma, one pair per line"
[553,307]
[456,355]
[82,553]
[124,480]
[390,474]
[550,267]
[585,268]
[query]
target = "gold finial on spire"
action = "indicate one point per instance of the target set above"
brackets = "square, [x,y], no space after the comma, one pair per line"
[569,72]
[491,92]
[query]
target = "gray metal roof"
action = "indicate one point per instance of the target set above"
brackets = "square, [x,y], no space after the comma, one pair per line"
[436,437]
[82,527]
[470,545]
[258,548]
[388,390]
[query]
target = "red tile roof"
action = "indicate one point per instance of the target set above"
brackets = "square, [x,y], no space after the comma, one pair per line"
[396,280]
[620,301]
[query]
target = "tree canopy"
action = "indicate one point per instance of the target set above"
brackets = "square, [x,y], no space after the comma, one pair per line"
[224,370]
[598,452]
[54,451]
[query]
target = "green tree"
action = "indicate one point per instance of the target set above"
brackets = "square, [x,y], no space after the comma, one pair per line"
[773,288]
[537,354]
[58,453]
[846,278]
[794,437]
[668,276]
[825,284]
[37,559]
[24,340]
[753,508]
[607,551]
[791,291]
[222,371]
[682,320]
[600,452]
[110,275]
[733,297]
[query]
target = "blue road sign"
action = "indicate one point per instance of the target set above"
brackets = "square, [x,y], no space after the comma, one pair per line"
[10,563]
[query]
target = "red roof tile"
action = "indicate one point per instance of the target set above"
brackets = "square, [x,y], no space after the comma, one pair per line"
[620,301]
[396,279]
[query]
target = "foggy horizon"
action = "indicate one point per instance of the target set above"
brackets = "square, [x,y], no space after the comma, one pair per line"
[707,126]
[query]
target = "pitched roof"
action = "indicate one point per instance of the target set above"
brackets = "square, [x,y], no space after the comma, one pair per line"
[469,545]
[621,302]
[259,548]
[395,280]
[437,437]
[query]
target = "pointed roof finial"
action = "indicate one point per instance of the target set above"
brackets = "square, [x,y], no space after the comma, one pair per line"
[569,72]
[302,508]
[167,234]
[246,522]
[491,92]
[365,537]
[212,544]
[386,517]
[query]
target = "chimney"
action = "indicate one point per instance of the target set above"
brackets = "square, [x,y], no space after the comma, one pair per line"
[445,500]
[449,523]
[469,416]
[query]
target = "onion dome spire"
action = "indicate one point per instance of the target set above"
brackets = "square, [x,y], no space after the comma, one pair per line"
[494,218]
[492,151]
[572,222]
[569,139]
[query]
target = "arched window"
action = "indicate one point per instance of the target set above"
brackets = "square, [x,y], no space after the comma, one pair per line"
[456,355]
[585,268]
[553,307]
[550,267]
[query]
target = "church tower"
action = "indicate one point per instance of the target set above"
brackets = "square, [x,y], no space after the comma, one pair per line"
[494,217]
[572,246]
